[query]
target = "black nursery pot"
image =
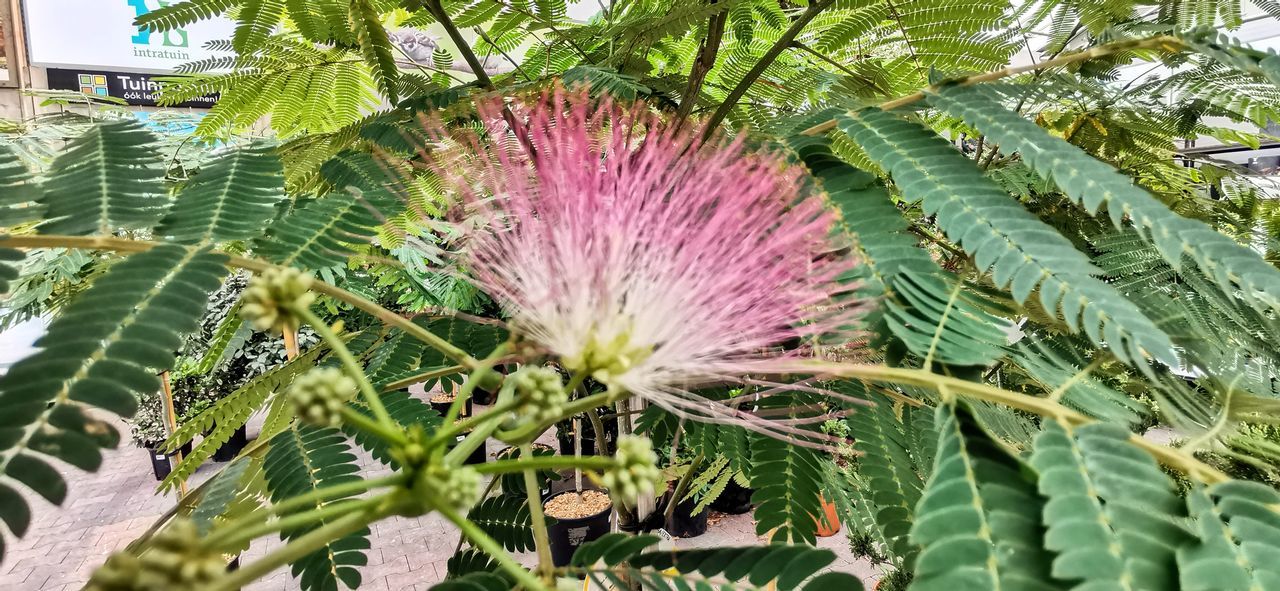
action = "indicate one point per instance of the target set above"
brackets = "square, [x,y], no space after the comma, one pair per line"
[231,449]
[684,524]
[734,500]
[479,456]
[566,535]
[160,464]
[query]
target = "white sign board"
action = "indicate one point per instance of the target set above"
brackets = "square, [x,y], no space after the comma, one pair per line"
[100,34]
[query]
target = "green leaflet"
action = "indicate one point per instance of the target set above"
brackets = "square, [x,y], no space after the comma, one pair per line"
[218,497]
[886,469]
[787,480]
[103,351]
[1093,184]
[506,519]
[19,193]
[934,320]
[10,259]
[301,459]
[785,566]
[317,233]
[181,14]
[375,47]
[1022,253]
[232,198]
[979,518]
[1239,538]
[108,178]
[604,81]
[1111,513]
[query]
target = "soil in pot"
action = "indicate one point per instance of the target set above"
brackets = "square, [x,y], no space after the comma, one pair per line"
[735,499]
[513,484]
[580,518]
[229,450]
[441,401]
[683,524]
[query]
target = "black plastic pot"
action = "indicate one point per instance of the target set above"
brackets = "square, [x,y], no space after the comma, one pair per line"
[513,484]
[443,408]
[566,535]
[683,524]
[734,500]
[231,449]
[160,464]
[479,456]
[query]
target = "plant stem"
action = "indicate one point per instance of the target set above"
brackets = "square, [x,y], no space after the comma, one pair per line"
[528,462]
[518,434]
[702,64]
[296,549]
[315,496]
[355,372]
[1042,406]
[683,486]
[134,246]
[484,428]
[482,541]
[424,376]
[355,418]
[1166,42]
[233,537]
[466,424]
[763,64]
[540,537]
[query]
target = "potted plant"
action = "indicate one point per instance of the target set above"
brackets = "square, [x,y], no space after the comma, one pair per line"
[580,516]
[148,431]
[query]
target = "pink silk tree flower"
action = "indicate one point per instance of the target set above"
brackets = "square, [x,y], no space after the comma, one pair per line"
[634,252]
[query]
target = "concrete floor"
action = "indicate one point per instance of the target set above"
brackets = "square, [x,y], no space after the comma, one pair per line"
[107,509]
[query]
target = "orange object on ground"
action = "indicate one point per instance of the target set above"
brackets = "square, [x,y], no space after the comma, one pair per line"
[829,521]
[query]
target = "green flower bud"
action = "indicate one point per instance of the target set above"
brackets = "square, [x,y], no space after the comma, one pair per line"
[542,393]
[456,488]
[635,471]
[319,395]
[270,301]
[174,559]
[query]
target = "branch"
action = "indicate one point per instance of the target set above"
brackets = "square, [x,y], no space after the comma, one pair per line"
[1166,42]
[763,64]
[702,64]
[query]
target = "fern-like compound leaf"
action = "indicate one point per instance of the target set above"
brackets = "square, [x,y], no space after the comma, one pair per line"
[979,518]
[108,178]
[1022,252]
[1094,184]
[302,459]
[320,232]
[232,198]
[506,519]
[181,14]
[787,479]
[19,192]
[102,352]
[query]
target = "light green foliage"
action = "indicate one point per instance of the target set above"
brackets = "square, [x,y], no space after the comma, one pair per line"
[19,192]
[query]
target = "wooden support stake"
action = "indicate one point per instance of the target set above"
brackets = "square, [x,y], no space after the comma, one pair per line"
[171,424]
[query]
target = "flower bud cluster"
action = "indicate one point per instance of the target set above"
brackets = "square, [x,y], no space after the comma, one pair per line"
[319,395]
[635,472]
[174,559]
[541,392]
[273,296]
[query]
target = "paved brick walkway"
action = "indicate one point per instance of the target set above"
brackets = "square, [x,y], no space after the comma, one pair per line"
[108,509]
